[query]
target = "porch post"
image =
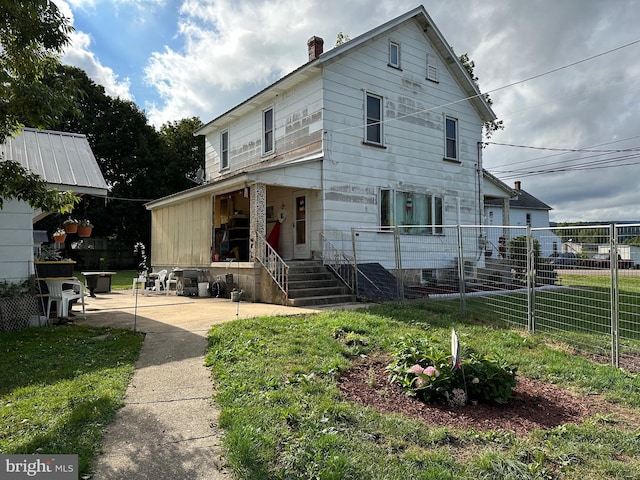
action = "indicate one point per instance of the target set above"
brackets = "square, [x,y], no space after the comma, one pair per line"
[257,216]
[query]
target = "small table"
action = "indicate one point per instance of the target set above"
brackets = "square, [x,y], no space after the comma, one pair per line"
[98,282]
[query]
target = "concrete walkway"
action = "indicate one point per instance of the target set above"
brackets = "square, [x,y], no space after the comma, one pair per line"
[168,428]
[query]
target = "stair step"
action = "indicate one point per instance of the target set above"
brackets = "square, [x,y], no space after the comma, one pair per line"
[323,300]
[311,283]
[315,292]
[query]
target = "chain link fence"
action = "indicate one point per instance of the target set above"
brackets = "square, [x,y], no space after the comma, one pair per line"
[556,281]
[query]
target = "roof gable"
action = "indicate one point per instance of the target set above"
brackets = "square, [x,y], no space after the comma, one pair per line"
[418,14]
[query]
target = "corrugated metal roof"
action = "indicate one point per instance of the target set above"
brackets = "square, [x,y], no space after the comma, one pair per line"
[64,160]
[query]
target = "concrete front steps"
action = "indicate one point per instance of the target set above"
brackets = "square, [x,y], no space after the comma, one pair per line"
[310,283]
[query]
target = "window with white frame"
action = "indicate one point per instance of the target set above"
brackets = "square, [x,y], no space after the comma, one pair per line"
[432,68]
[224,150]
[451,138]
[373,116]
[424,212]
[394,54]
[267,131]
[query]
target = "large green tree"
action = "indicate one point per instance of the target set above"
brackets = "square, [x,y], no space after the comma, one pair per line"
[139,163]
[32,36]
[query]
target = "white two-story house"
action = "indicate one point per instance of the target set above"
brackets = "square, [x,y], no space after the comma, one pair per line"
[383,130]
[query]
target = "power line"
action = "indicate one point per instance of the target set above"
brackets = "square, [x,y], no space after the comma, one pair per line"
[555,149]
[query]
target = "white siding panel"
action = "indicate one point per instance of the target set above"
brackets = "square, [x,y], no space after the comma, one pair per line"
[413,131]
[16,241]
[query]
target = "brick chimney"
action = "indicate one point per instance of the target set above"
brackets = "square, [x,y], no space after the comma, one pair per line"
[518,184]
[315,45]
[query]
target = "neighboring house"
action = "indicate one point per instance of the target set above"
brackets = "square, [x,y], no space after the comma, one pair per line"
[382,130]
[523,210]
[65,161]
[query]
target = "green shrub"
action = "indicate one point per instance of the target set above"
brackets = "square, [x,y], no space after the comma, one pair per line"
[425,370]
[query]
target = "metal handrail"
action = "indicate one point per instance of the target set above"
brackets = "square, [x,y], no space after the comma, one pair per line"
[341,264]
[273,264]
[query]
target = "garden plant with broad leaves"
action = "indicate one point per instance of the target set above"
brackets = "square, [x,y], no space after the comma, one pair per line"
[424,369]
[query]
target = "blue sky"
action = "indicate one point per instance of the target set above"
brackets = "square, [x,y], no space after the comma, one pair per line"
[183,58]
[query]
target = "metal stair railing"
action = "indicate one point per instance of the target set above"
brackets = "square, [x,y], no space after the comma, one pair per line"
[273,264]
[340,263]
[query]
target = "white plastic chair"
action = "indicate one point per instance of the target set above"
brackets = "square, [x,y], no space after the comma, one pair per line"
[160,281]
[62,296]
[171,280]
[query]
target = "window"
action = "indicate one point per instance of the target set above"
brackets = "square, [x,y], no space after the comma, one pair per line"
[373,116]
[411,208]
[394,54]
[451,138]
[528,219]
[224,150]
[267,131]
[432,69]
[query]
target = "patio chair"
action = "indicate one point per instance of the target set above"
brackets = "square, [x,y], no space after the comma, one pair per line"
[160,283]
[62,296]
[171,280]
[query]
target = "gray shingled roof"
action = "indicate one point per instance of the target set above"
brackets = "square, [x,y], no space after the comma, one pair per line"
[63,160]
[522,200]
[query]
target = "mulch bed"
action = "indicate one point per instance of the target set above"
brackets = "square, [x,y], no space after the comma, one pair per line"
[535,404]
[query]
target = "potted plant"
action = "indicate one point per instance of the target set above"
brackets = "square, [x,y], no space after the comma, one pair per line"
[84,228]
[70,225]
[60,235]
[49,263]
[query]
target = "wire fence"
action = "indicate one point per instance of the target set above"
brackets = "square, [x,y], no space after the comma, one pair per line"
[559,282]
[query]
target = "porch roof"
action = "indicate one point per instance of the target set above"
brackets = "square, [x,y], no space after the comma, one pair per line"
[270,175]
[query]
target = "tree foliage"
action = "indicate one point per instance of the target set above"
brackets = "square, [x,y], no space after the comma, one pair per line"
[138,162]
[492,126]
[20,184]
[32,37]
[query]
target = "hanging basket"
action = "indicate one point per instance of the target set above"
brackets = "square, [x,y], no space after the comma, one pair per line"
[59,238]
[84,231]
[71,227]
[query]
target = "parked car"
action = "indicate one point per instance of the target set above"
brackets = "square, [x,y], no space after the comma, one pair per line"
[602,260]
[565,259]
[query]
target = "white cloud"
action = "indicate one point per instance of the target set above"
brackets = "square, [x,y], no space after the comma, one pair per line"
[232,49]
[78,54]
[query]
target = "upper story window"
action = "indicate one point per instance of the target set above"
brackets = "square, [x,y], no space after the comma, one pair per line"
[394,54]
[373,117]
[267,131]
[424,213]
[224,150]
[451,138]
[432,68]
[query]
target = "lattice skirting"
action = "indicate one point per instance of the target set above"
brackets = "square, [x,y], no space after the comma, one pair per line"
[16,312]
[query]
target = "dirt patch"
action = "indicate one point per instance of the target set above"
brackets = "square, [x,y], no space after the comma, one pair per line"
[535,404]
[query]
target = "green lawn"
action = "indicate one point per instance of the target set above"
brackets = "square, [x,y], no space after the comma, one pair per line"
[60,387]
[283,417]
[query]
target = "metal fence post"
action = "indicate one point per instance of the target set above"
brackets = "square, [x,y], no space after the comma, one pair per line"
[531,281]
[615,297]
[398,259]
[461,281]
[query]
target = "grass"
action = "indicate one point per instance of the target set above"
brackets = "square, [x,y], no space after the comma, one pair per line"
[60,387]
[276,382]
